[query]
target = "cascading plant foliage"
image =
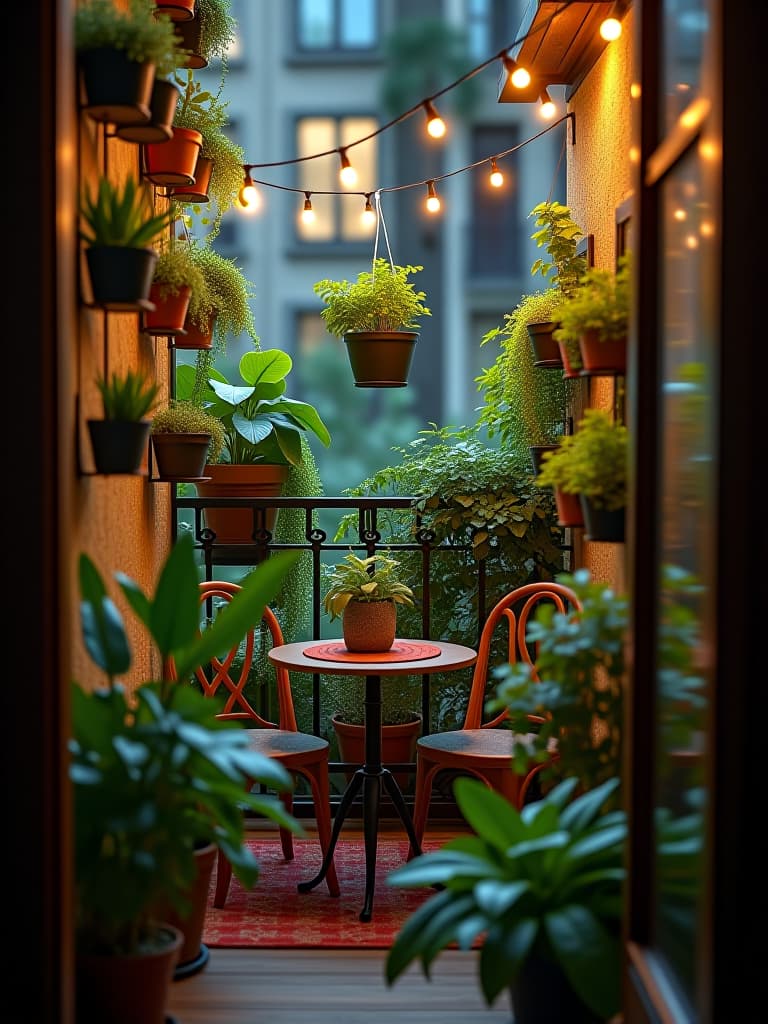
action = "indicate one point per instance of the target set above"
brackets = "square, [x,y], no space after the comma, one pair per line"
[381,299]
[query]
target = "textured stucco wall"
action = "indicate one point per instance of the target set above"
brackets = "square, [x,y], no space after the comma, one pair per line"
[121,522]
[600,178]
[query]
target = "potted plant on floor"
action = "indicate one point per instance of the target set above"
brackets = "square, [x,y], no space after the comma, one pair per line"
[263,429]
[178,291]
[596,317]
[119,51]
[154,775]
[184,436]
[209,34]
[120,222]
[364,593]
[119,440]
[378,317]
[592,463]
[219,169]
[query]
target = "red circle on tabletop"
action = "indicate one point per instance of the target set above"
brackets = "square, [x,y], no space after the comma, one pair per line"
[401,650]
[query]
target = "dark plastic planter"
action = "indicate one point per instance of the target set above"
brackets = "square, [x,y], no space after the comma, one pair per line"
[380,359]
[117,90]
[118,445]
[121,276]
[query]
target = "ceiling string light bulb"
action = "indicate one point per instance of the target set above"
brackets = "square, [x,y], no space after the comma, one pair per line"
[433,199]
[547,108]
[610,29]
[248,197]
[368,216]
[308,214]
[496,178]
[435,123]
[347,173]
[519,76]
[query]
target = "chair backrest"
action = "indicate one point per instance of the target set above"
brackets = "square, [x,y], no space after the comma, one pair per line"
[232,676]
[515,608]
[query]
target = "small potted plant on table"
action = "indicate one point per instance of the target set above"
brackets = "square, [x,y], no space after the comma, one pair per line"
[119,441]
[365,593]
[378,317]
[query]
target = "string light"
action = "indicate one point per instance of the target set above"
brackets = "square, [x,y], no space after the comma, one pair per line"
[519,76]
[368,216]
[248,196]
[433,199]
[547,108]
[308,214]
[347,173]
[496,178]
[610,29]
[435,123]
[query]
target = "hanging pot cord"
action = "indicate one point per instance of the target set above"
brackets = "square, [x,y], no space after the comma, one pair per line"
[380,221]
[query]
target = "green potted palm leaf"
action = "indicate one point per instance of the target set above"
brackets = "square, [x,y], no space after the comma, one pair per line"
[155,778]
[184,435]
[592,463]
[120,51]
[263,431]
[119,224]
[119,440]
[378,316]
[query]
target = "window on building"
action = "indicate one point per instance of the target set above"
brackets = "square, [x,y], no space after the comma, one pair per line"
[491,24]
[324,26]
[338,218]
[495,236]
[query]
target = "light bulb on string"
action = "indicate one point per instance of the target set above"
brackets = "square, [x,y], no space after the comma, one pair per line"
[435,123]
[347,173]
[496,178]
[548,108]
[308,214]
[368,216]
[433,199]
[610,29]
[519,76]
[248,197]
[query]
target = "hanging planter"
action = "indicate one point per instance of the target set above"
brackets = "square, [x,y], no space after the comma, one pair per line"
[190,39]
[162,107]
[380,359]
[569,510]
[546,351]
[602,357]
[121,276]
[182,436]
[178,291]
[195,337]
[197,192]
[537,454]
[173,162]
[176,10]
[571,359]
[118,445]
[170,310]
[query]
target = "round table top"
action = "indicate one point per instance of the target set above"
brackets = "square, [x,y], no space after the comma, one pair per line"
[451,656]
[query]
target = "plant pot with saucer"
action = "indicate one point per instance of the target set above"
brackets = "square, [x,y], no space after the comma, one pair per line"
[162,108]
[223,307]
[378,317]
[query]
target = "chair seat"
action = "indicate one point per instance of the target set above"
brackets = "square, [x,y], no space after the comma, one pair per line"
[484,743]
[280,743]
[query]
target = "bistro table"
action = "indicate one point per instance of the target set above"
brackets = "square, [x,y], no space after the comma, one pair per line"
[405,657]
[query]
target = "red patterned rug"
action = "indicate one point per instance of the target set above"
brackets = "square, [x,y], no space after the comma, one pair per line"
[274,915]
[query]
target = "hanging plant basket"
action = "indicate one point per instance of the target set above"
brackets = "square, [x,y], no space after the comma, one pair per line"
[117,90]
[546,351]
[118,445]
[380,359]
[197,192]
[602,357]
[602,524]
[173,162]
[121,276]
[170,311]
[162,110]
[193,337]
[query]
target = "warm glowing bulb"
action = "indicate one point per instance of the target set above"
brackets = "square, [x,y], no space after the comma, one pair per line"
[348,176]
[635,91]
[610,29]
[433,204]
[691,242]
[707,229]
[436,127]
[680,214]
[547,108]
[249,198]
[496,177]
[368,216]
[308,214]
[521,78]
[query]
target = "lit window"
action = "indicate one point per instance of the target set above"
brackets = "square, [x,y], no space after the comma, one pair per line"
[324,25]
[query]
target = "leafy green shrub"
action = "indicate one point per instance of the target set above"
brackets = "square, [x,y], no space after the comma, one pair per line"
[184,417]
[381,299]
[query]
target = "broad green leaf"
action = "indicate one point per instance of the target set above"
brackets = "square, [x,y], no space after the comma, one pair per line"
[230,393]
[104,636]
[407,945]
[253,430]
[307,416]
[590,956]
[289,439]
[175,608]
[495,897]
[488,813]
[136,597]
[269,365]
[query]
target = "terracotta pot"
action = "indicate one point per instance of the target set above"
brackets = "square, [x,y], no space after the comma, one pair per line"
[197,192]
[173,162]
[398,744]
[193,337]
[162,110]
[380,359]
[118,446]
[170,312]
[180,456]
[369,625]
[121,276]
[234,525]
[602,357]
[569,512]
[546,351]
[602,524]
[117,90]
[176,10]
[194,954]
[127,989]
[570,367]
[190,33]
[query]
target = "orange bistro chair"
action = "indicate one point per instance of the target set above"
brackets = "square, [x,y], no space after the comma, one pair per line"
[482,748]
[299,753]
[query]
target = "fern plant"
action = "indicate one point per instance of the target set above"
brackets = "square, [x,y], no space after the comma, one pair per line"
[381,299]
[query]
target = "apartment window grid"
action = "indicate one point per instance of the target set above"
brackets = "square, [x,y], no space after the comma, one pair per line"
[338,218]
[336,26]
[494,250]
